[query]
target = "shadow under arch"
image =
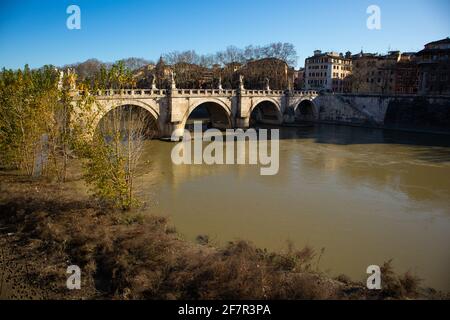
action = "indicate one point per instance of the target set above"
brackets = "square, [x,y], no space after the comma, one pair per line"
[212,114]
[266,112]
[306,111]
[123,112]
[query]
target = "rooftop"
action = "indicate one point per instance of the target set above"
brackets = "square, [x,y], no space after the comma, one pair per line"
[319,54]
[442,41]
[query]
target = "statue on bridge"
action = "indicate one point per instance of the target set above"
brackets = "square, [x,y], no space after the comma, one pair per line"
[61,79]
[241,82]
[172,80]
[154,83]
[267,87]
[220,84]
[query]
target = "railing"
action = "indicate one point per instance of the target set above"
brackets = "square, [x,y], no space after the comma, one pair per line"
[125,92]
[210,92]
[191,92]
[305,92]
[265,92]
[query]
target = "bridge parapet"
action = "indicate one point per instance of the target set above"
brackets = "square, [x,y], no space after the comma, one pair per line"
[120,93]
[204,92]
[117,93]
[305,93]
[263,92]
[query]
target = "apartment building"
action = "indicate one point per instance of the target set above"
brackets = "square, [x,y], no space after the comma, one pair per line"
[374,73]
[434,67]
[406,74]
[328,71]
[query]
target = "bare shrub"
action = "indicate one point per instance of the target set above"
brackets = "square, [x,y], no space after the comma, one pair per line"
[114,153]
[398,286]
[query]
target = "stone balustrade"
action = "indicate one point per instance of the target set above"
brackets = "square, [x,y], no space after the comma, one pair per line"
[193,92]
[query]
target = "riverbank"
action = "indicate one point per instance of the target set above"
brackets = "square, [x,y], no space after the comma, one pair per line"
[46,227]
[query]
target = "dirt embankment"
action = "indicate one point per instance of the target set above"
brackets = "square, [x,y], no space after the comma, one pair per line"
[46,227]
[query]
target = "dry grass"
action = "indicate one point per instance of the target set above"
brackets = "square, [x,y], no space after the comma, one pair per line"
[398,286]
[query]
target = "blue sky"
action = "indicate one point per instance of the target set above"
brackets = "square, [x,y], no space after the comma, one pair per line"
[35,32]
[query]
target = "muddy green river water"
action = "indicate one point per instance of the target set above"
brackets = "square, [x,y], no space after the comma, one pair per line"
[365,195]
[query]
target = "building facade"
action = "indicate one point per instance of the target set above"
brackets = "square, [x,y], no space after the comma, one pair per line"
[374,73]
[406,74]
[299,79]
[434,68]
[328,71]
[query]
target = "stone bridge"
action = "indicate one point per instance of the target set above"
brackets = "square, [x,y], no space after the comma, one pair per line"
[171,109]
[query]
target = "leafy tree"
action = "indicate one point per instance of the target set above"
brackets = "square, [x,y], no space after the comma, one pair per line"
[34,121]
[41,128]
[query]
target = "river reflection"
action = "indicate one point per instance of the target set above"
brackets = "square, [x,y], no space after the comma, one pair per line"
[365,195]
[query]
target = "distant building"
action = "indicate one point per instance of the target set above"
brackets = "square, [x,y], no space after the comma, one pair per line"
[406,74]
[373,73]
[328,71]
[434,67]
[299,79]
[233,66]
[292,78]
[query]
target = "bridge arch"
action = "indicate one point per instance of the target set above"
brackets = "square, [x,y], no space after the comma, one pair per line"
[267,111]
[213,112]
[105,108]
[306,110]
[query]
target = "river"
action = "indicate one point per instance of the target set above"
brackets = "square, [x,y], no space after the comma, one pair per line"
[365,195]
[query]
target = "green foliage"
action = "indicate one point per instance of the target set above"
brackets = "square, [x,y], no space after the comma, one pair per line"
[115,77]
[33,121]
[105,169]
[41,128]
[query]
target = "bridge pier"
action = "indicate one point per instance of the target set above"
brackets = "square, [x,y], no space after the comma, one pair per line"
[242,123]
